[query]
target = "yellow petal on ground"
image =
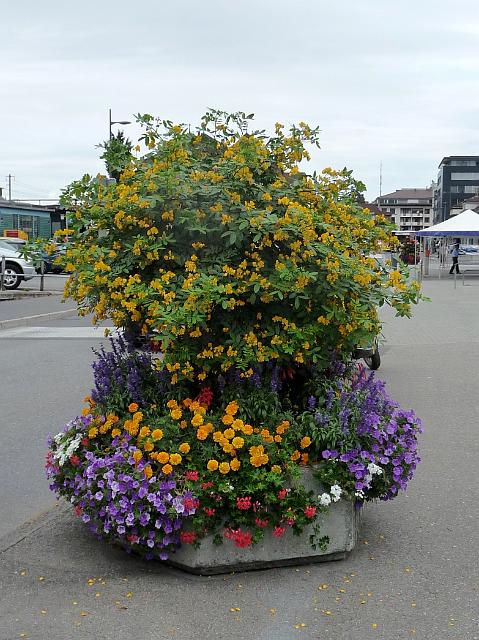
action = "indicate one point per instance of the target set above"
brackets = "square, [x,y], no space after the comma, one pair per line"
[322,587]
[44,611]
[83,613]
[129,594]
[41,578]
[374,626]
[23,572]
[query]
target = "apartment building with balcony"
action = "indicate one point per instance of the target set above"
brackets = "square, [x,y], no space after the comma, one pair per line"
[409,209]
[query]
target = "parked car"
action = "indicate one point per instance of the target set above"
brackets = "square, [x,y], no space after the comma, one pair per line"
[16,267]
[18,243]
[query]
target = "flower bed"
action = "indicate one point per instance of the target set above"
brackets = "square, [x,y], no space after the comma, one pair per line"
[253,281]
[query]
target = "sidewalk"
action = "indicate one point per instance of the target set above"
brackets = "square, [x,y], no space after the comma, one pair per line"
[414,574]
[27,310]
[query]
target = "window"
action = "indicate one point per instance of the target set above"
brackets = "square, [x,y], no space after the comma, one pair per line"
[463,163]
[465,176]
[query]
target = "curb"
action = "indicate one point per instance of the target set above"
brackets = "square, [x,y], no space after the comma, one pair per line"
[27,320]
[25,530]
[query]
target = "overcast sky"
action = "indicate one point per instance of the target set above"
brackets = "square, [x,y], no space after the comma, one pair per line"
[391,81]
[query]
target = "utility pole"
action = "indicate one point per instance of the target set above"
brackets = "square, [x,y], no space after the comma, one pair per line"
[9,178]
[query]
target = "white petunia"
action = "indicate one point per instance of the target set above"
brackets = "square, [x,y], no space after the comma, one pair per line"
[325,499]
[374,469]
[336,492]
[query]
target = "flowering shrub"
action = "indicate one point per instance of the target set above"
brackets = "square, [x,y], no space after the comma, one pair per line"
[216,241]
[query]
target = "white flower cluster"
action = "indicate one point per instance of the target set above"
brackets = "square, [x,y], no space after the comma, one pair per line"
[325,499]
[373,470]
[66,447]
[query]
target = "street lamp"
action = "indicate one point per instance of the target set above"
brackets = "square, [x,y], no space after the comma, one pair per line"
[110,121]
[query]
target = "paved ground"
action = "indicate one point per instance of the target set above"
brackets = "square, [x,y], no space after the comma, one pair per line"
[415,573]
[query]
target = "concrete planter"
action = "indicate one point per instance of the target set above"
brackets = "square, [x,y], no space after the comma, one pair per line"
[340,523]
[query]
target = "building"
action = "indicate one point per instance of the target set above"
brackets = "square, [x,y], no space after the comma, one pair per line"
[409,209]
[457,179]
[35,220]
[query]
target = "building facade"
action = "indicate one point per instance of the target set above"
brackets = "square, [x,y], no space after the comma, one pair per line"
[409,209]
[34,220]
[457,179]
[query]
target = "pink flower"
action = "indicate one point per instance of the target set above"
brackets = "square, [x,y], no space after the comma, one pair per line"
[132,538]
[310,512]
[209,512]
[84,441]
[192,475]
[278,532]
[78,510]
[282,493]
[75,460]
[206,485]
[243,503]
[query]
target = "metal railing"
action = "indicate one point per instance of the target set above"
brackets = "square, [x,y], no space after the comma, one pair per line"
[41,275]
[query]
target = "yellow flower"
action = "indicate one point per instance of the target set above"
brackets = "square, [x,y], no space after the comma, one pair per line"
[235,464]
[237,424]
[144,431]
[167,469]
[175,458]
[229,433]
[237,442]
[224,467]
[276,468]
[212,465]
[148,446]
[227,419]
[148,471]
[184,447]
[232,408]
[295,456]
[137,455]
[176,414]
[228,447]
[305,442]
[197,420]
[202,434]
[93,432]
[133,407]
[172,404]
[247,429]
[157,434]
[163,457]
[115,432]
[258,456]
[183,424]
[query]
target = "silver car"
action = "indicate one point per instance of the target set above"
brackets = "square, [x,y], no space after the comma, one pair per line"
[16,267]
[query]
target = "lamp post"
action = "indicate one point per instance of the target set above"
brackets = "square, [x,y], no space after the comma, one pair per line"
[110,122]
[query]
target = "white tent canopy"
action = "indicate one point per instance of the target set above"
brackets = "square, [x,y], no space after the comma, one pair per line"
[463,225]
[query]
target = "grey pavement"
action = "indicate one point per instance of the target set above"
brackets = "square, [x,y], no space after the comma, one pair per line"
[27,307]
[415,573]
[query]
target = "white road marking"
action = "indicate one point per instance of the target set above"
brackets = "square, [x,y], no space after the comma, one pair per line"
[97,333]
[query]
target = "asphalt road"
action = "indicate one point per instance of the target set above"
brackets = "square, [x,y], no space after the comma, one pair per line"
[43,383]
[52,282]
[414,574]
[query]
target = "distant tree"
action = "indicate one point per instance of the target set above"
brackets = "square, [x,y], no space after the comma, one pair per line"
[116,154]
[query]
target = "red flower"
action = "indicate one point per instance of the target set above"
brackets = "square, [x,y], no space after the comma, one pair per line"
[132,538]
[310,512]
[206,485]
[209,512]
[290,522]
[282,493]
[192,475]
[75,460]
[241,539]
[205,397]
[278,532]
[191,503]
[261,523]
[243,503]
[187,537]
[78,510]
[84,441]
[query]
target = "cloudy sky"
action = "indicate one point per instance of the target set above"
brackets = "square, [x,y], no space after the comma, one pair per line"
[386,81]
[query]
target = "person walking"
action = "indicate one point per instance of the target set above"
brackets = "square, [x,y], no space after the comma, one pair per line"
[455,257]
